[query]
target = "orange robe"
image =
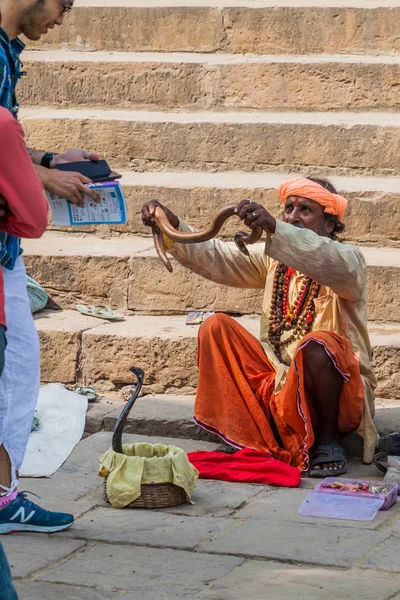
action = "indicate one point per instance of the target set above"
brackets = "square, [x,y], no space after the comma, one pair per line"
[236,399]
[340,317]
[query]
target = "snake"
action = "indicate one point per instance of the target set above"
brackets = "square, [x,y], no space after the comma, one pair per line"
[119,427]
[163,226]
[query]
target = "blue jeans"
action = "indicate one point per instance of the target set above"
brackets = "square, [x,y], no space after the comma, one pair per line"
[7,590]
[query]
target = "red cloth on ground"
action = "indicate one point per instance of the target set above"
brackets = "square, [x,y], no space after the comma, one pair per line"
[245,466]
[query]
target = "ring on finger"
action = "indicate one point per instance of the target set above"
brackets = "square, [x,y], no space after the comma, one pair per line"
[254,215]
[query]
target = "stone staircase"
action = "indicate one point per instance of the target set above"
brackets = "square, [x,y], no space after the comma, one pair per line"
[201,103]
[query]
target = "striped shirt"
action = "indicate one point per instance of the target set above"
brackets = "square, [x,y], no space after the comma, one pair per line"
[10,72]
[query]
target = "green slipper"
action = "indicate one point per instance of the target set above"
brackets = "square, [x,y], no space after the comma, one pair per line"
[101,312]
[89,392]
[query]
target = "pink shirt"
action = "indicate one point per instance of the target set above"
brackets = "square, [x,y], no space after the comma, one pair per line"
[20,187]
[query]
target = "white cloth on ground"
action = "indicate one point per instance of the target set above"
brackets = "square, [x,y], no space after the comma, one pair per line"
[62,417]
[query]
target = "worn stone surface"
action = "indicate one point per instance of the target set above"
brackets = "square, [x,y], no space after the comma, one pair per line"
[195,29]
[217,498]
[205,141]
[149,528]
[165,348]
[164,29]
[286,503]
[276,539]
[386,557]
[382,285]
[373,215]
[173,416]
[161,415]
[60,335]
[214,82]
[36,590]
[386,361]
[293,582]
[142,284]
[131,554]
[387,416]
[98,412]
[76,485]
[150,572]
[28,553]
[74,269]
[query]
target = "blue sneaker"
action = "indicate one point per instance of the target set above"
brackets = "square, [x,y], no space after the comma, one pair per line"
[23,515]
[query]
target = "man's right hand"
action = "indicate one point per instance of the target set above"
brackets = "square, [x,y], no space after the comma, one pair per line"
[148,214]
[67,184]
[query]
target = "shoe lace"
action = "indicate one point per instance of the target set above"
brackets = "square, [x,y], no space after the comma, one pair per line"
[24,495]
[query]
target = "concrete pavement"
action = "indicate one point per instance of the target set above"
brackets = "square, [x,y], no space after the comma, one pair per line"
[237,541]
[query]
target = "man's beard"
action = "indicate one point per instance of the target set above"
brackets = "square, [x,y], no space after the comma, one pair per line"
[31,19]
[299,225]
[321,228]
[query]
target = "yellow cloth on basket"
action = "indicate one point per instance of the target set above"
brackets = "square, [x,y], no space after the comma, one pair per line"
[145,463]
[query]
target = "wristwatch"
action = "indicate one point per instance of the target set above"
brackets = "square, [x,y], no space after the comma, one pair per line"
[46,159]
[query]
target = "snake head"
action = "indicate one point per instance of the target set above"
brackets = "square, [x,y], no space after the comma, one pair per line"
[238,239]
[138,372]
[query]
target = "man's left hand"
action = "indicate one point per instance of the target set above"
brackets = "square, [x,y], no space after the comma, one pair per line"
[255,215]
[73,155]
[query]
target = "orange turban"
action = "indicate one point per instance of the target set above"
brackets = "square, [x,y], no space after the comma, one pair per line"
[300,186]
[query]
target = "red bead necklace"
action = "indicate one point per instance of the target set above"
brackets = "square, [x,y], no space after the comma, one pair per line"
[283,316]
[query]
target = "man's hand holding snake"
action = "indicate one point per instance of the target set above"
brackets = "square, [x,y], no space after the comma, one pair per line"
[255,215]
[148,216]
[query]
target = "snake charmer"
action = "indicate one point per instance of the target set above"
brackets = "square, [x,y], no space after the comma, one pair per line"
[308,380]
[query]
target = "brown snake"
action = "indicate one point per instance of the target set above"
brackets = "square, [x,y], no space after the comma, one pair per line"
[163,225]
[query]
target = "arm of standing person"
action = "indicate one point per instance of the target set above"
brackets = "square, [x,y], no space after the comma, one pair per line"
[65,184]
[19,185]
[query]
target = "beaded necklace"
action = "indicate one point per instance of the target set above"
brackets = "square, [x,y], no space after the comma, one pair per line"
[283,317]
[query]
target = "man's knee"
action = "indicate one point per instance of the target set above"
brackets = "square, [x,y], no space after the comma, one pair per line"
[214,325]
[314,352]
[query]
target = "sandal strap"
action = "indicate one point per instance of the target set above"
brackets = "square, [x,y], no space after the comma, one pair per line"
[333,451]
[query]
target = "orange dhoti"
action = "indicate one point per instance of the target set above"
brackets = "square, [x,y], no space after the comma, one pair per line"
[236,399]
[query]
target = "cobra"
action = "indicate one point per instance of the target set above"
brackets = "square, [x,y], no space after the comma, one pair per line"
[163,226]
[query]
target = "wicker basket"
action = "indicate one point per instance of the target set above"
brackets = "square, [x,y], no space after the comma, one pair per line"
[156,495]
[153,495]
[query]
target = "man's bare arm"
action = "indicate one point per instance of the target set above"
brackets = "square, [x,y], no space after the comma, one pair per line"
[36,155]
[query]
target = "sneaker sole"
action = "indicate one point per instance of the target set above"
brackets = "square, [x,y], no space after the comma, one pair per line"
[19,527]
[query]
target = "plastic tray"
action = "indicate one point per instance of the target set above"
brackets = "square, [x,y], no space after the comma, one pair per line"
[389,498]
[355,506]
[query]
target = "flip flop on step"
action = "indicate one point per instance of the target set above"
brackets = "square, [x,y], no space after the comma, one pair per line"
[89,392]
[101,312]
[331,452]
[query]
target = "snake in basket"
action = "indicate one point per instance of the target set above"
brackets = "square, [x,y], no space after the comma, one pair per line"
[163,225]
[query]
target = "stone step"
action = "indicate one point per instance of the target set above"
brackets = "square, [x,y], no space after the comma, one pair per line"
[173,416]
[168,81]
[127,273]
[264,27]
[86,350]
[373,215]
[339,142]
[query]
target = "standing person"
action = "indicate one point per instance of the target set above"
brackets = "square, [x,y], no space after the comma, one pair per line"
[23,212]
[308,379]
[21,376]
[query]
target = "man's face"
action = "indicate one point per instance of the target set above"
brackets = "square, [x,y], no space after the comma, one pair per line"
[41,15]
[306,214]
